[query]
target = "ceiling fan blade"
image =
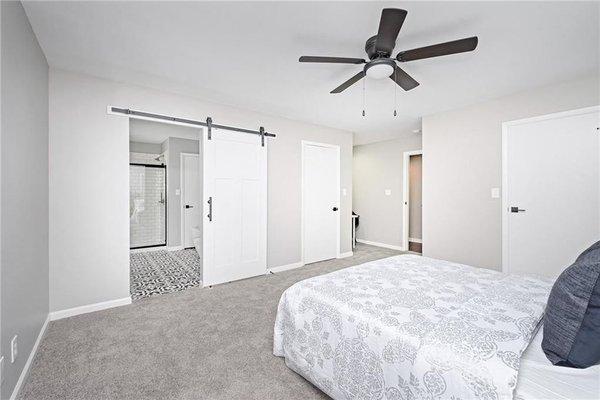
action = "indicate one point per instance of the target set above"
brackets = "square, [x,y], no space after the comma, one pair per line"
[389,25]
[441,49]
[404,80]
[349,82]
[335,60]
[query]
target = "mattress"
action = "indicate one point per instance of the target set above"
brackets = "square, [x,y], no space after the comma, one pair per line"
[540,380]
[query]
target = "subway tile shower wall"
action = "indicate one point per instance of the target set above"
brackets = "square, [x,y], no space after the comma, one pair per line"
[146,206]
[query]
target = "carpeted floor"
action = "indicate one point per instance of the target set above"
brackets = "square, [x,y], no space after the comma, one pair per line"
[194,344]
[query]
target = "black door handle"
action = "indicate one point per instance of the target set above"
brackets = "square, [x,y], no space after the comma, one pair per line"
[188,206]
[335,208]
[516,210]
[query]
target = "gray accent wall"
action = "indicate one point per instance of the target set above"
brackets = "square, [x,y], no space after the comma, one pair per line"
[379,167]
[24,189]
[463,161]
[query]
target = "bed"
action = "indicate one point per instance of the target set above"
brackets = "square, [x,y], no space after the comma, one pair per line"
[411,327]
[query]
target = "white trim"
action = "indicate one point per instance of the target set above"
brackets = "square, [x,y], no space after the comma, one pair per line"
[70,312]
[286,267]
[181,196]
[415,240]
[25,370]
[505,189]
[405,194]
[346,254]
[174,248]
[303,144]
[384,245]
[148,249]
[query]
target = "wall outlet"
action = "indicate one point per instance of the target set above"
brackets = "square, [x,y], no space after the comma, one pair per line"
[1,370]
[388,192]
[14,350]
[344,192]
[495,192]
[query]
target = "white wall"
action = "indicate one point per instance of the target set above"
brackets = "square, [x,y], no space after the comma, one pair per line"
[24,188]
[462,162]
[377,167]
[89,224]
[175,147]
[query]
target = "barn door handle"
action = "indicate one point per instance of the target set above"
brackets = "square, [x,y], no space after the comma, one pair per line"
[209,209]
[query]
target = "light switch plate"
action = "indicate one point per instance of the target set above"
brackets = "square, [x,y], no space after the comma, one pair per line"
[495,193]
[344,192]
[388,192]
[177,192]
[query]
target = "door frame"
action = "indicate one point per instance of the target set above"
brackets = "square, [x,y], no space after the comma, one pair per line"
[405,195]
[181,195]
[505,189]
[303,145]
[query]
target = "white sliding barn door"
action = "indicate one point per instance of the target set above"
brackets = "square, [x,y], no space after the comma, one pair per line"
[235,224]
[551,207]
[320,201]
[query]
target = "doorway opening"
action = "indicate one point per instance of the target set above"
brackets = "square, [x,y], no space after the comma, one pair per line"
[164,256]
[413,205]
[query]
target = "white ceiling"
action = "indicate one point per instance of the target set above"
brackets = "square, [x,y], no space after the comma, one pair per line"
[246,54]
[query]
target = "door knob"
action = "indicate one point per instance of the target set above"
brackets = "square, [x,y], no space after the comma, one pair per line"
[335,208]
[516,210]
[188,206]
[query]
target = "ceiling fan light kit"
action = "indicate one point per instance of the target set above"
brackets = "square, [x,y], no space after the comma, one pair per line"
[379,50]
[380,68]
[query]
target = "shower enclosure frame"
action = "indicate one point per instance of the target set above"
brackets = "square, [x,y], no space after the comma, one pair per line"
[164,167]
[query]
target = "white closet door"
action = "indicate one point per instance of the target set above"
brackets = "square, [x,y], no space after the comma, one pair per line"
[235,225]
[190,170]
[320,201]
[552,192]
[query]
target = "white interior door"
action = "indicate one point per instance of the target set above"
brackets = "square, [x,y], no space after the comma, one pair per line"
[552,191]
[235,207]
[190,191]
[320,201]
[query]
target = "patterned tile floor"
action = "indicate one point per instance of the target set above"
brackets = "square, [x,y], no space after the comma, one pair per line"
[158,272]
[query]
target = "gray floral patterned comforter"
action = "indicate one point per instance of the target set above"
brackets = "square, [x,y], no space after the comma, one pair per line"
[410,327]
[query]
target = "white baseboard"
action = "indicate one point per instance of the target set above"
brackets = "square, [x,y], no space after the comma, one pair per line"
[346,254]
[25,370]
[384,245]
[55,315]
[147,249]
[414,240]
[174,248]
[285,267]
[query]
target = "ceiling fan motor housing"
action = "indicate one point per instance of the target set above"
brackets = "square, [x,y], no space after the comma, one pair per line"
[371,51]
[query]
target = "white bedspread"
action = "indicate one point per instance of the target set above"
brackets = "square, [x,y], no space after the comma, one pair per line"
[410,327]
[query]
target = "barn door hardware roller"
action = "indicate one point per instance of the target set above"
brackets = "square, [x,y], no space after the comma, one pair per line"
[208,124]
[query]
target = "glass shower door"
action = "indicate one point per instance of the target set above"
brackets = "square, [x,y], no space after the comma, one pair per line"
[147,205]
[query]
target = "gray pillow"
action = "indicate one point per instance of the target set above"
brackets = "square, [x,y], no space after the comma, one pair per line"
[572,318]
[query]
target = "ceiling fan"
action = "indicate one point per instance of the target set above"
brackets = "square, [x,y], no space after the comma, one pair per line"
[379,49]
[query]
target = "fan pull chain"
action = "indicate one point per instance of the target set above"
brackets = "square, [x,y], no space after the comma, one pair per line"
[395,100]
[364,101]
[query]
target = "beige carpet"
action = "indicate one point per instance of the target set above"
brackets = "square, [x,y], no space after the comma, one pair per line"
[195,344]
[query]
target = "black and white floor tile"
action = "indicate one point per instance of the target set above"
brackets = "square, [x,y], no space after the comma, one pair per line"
[158,272]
